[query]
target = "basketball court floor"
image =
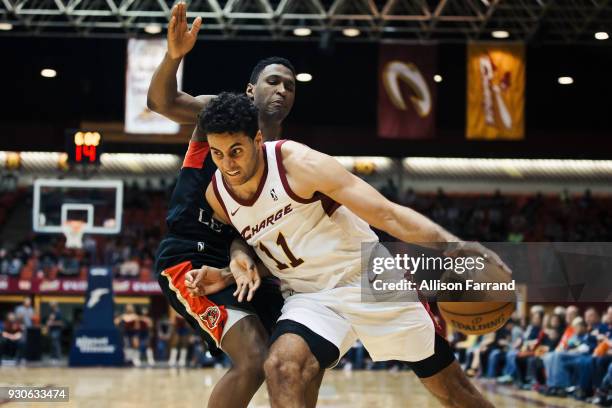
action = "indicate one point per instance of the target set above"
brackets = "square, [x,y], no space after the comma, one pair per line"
[110,387]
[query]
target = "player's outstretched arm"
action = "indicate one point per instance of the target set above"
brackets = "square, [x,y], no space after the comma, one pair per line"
[163,96]
[309,171]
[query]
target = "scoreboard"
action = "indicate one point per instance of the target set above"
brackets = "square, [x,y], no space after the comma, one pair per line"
[83,147]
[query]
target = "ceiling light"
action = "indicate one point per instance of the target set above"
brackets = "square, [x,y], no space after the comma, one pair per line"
[153,29]
[438,78]
[6,26]
[304,77]
[601,35]
[500,34]
[565,80]
[351,32]
[48,73]
[302,31]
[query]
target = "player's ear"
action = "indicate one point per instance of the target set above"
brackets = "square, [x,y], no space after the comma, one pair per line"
[250,91]
[258,138]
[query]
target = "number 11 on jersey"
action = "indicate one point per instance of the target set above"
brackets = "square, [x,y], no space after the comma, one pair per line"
[282,242]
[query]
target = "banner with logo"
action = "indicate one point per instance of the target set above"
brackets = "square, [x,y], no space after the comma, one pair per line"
[496,91]
[143,58]
[97,341]
[406,91]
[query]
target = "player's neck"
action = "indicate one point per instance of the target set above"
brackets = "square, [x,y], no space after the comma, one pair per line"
[271,130]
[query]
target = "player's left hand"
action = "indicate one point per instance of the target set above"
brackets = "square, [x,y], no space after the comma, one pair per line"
[205,281]
[245,274]
[471,248]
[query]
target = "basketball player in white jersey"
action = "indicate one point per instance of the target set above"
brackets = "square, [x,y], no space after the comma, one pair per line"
[306,218]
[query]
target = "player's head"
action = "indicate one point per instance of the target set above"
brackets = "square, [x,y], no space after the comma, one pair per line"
[129,308]
[230,122]
[272,88]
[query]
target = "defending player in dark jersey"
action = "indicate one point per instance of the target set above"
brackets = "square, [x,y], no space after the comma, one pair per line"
[195,240]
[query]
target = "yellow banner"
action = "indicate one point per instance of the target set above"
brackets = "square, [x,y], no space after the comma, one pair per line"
[496,91]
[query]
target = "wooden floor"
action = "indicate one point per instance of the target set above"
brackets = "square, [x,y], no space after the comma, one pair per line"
[130,387]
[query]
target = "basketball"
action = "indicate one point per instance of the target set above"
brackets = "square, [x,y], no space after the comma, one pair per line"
[484,305]
[476,317]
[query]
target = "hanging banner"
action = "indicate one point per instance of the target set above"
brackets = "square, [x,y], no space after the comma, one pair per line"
[406,91]
[143,58]
[496,91]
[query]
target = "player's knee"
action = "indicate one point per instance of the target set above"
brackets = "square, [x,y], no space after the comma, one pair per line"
[251,363]
[281,369]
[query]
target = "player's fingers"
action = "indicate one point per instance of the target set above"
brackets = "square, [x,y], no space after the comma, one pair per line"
[252,288]
[243,292]
[195,27]
[200,276]
[172,27]
[237,291]
[189,276]
[257,282]
[183,13]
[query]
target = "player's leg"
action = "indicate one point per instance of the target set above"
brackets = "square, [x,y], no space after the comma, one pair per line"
[307,339]
[289,368]
[442,375]
[268,303]
[312,389]
[236,329]
[407,332]
[246,344]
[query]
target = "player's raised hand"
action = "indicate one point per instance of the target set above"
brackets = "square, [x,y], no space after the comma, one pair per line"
[181,39]
[205,281]
[245,274]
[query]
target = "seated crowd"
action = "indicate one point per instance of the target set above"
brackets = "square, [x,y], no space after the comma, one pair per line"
[558,353]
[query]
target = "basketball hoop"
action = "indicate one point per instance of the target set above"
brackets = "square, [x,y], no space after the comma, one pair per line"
[74,230]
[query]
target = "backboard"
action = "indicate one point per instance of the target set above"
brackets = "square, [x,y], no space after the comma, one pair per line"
[97,203]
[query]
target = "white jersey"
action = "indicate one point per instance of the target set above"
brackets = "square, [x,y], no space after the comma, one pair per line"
[310,244]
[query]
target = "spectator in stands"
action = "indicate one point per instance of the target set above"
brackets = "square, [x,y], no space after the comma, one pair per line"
[12,333]
[570,314]
[129,269]
[129,323]
[511,335]
[531,339]
[563,363]
[601,361]
[164,334]
[4,262]
[145,328]
[25,312]
[593,321]
[54,325]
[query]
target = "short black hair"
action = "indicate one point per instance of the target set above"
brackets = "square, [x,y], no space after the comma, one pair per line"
[229,113]
[269,61]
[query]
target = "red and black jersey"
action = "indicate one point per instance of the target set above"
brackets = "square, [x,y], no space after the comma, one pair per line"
[192,231]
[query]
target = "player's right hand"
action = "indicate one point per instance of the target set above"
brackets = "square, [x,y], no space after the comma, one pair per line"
[205,281]
[245,274]
[180,38]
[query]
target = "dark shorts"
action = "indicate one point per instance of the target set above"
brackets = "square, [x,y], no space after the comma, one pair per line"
[327,354]
[207,314]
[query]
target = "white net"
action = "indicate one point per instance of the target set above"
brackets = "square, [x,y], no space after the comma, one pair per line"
[74,230]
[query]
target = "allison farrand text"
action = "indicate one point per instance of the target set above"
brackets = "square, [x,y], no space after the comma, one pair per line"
[438,285]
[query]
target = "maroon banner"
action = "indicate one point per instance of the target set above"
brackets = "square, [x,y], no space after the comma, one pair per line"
[406,91]
[73,287]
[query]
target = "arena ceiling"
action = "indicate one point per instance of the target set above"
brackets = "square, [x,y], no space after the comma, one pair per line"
[546,21]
